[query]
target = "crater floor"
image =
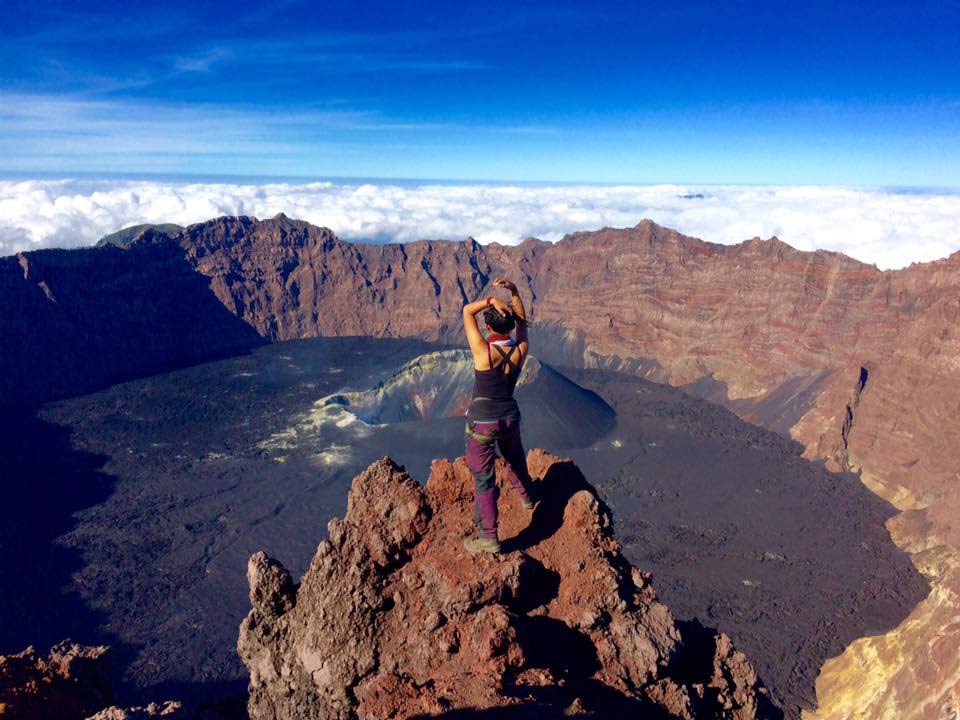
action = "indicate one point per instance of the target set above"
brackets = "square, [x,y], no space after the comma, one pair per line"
[131,513]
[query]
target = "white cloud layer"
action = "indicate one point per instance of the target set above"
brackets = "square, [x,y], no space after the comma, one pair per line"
[891,229]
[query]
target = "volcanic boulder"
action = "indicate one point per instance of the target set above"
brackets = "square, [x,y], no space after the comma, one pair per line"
[393,619]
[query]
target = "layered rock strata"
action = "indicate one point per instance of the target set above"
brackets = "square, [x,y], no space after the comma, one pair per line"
[394,619]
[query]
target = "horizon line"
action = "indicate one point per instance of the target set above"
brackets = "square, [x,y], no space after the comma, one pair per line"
[230,178]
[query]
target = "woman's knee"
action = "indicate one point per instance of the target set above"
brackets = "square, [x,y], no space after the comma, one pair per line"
[485,480]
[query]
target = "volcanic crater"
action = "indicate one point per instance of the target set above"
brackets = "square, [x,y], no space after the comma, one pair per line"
[130,512]
[199,468]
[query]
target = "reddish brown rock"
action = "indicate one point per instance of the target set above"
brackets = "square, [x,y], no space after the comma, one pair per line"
[394,619]
[72,681]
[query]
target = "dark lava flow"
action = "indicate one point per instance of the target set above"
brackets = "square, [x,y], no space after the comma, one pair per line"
[136,509]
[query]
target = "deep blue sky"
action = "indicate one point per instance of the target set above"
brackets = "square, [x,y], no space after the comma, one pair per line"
[863,93]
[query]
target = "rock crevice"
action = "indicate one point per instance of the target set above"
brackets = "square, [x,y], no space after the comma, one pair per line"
[844,459]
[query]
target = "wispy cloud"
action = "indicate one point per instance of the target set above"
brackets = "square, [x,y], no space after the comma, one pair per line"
[331,54]
[891,229]
[63,54]
[35,128]
[204,61]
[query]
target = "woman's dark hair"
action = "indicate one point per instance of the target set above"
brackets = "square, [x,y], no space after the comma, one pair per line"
[498,322]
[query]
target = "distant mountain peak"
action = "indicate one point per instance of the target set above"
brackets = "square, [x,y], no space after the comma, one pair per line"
[123,238]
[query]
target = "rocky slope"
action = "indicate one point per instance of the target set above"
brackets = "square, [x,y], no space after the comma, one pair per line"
[69,683]
[860,366]
[128,234]
[394,619]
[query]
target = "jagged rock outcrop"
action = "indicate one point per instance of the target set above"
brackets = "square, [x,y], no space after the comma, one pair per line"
[71,681]
[169,710]
[394,619]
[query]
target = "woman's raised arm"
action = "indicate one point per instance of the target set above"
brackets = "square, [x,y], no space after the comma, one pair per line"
[516,303]
[478,346]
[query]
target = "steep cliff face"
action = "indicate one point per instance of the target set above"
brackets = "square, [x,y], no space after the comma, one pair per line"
[750,315]
[289,279]
[394,619]
[72,321]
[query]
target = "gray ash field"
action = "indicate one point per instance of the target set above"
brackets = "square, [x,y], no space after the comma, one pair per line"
[131,513]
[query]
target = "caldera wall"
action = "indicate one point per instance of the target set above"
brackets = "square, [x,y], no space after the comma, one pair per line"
[786,336]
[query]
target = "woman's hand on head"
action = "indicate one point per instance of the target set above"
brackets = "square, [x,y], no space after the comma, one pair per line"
[502,306]
[505,284]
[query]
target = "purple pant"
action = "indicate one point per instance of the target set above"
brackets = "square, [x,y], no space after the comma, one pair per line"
[481,458]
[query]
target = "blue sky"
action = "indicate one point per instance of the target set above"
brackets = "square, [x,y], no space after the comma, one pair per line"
[769,92]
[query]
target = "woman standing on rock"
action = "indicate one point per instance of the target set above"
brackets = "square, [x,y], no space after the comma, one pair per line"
[493,419]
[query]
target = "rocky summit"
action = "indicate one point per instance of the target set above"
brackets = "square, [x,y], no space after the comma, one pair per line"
[394,619]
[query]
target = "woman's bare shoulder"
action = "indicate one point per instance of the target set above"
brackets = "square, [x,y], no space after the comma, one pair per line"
[481,361]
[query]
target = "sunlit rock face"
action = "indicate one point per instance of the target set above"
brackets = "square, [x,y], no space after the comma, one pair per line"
[394,619]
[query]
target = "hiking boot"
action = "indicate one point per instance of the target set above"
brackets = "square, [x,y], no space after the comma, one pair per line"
[478,545]
[533,495]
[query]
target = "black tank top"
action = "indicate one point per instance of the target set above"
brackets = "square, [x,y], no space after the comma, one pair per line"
[493,389]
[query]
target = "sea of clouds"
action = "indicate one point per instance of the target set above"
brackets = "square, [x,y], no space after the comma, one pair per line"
[886,227]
